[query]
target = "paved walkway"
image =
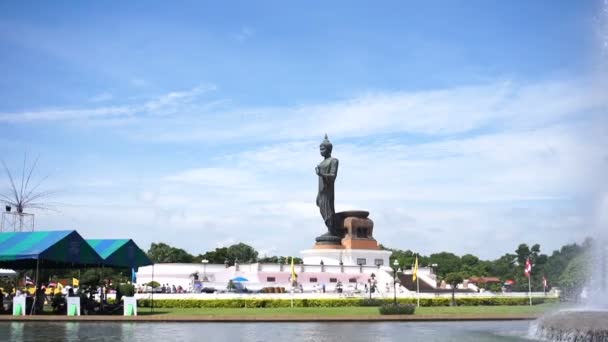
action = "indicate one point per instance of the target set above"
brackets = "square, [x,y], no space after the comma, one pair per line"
[271,318]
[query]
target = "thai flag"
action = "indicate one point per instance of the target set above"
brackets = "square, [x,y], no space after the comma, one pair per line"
[528,269]
[544,282]
[28,281]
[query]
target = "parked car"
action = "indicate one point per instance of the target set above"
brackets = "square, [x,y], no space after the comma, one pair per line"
[208,290]
[150,289]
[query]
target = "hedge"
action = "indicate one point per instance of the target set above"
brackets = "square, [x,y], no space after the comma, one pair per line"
[339,302]
[399,309]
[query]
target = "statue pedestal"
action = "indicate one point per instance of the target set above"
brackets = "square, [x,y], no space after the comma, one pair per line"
[356,245]
[355,230]
[348,257]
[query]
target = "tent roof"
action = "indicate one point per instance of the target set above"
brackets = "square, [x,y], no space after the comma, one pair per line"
[57,249]
[7,273]
[120,253]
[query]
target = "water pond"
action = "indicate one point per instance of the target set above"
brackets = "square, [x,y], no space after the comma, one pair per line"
[291,332]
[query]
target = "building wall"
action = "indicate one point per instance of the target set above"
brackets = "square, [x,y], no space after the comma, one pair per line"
[260,275]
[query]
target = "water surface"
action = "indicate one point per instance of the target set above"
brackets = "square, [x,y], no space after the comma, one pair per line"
[284,332]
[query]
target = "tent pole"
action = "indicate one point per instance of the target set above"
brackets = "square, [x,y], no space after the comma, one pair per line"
[35,287]
[102,288]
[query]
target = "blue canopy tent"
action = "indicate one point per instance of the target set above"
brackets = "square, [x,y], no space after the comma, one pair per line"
[52,249]
[120,253]
[123,253]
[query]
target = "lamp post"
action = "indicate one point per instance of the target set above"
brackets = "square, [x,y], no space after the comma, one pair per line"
[372,284]
[395,270]
[205,262]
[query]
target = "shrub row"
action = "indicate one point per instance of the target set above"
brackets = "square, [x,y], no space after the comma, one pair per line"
[399,309]
[273,290]
[339,302]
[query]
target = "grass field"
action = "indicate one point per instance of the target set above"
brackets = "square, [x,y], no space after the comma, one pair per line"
[354,311]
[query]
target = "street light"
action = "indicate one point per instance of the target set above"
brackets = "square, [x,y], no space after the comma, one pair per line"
[372,284]
[205,262]
[395,280]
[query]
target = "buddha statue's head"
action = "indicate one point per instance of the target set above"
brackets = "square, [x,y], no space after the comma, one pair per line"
[326,147]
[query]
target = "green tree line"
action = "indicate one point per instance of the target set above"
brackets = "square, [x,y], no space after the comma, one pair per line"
[564,268]
[239,252]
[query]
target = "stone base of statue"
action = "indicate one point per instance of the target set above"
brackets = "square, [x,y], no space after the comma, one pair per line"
[346,256]
[328,239]
[355,245]
[353,229]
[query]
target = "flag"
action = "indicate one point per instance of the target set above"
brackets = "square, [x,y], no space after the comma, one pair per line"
[75,282]
[528,269]
[28,281]
[415,271]
[294,276]
[544,282]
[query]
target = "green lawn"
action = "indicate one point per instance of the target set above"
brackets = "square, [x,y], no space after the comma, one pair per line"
[354,311]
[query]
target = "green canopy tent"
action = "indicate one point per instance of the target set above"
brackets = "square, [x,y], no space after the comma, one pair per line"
[120,253]
[54,249]
[51,249]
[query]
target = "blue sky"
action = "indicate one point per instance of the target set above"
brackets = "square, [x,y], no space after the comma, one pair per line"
[468,126]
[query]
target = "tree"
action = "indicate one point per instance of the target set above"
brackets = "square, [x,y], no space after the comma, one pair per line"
[153,284]
[218,256]
[446,263]
[279,260]
[523,253]
[242,252]
[559,260]
[405,258]
[454,278]
[163,253]
[574,276]
[469,260]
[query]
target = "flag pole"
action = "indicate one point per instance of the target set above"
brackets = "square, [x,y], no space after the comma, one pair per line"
[293,279]
[418,290]
[35,287]
[415,274]
[530,289]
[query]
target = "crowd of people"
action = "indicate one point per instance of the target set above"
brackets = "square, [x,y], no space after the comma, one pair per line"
[93,299]
[163,288]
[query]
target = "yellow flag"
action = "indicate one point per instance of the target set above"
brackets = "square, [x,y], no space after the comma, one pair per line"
[415,272]
[58,288]
[294,276]
[75,282]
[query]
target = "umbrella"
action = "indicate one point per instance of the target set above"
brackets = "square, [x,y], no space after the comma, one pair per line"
[240,279]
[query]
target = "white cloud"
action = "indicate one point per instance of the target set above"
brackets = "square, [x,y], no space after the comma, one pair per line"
[214,177]
[502,105]
[163,105]
[470,169]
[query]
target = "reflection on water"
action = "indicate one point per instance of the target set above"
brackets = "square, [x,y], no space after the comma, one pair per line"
[284,332]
